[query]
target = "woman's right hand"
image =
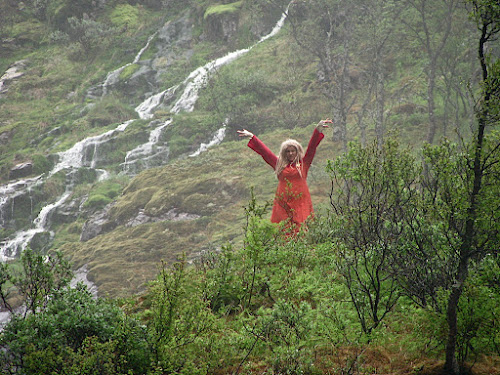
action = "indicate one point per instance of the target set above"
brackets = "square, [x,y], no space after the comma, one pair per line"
[244,133]
[323,124]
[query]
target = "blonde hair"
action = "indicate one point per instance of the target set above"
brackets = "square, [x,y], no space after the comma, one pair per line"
[282,160]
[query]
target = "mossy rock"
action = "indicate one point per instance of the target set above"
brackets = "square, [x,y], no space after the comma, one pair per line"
[97,201]
[219,9]
[200,204]
[128,71]
[128,207]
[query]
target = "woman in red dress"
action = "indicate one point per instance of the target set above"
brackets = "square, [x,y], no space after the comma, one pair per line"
[292,202]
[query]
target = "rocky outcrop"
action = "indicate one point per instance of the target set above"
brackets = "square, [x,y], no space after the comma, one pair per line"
[21,170]
[99,222]
[95,225]
[221,22]
[172,215]
[14,71]
[171,44]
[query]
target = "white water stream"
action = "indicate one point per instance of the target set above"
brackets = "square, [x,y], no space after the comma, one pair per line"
[113,77]
[84,153]
[186,102]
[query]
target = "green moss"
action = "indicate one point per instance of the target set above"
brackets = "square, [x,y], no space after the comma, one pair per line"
[128,71]
[130,205]
[222,8]
[97,201]
[109,189]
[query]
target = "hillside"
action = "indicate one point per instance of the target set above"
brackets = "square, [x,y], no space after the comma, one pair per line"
[72,88]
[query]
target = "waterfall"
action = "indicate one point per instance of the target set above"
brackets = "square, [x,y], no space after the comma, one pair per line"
[113,76]
[218,138]
[22,238]
[75,157]
[192,85]
[146,151]
[85,152]
[145,109]
[13,190]
[71,159]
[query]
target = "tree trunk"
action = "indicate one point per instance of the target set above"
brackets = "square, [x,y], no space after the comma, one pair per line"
[451,365]
[380,105]
[431,82]
[468,237]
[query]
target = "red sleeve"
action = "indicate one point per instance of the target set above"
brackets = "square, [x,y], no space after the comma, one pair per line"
[311,147]
[259,147]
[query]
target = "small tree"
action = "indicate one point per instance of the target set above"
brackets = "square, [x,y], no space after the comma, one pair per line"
[456,223]
[179,319]
[372,188]
[432,29]
[39,278]
[89,34]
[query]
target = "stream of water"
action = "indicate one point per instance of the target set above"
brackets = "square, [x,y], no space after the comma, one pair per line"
[84,153]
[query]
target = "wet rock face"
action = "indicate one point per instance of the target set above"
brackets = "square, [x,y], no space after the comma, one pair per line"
[221,26]
[94,226]
[21,170]
[172,43]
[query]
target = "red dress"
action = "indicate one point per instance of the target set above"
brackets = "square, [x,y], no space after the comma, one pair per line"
[292,200]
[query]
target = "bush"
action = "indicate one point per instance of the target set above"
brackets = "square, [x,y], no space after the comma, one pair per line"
[97,201]
[124,16]
[41,164]
[77,332]
[88,34]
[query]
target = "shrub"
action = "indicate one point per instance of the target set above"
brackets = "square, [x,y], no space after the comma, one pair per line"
[124,16]
[97,201]
[88,34]
[41,164]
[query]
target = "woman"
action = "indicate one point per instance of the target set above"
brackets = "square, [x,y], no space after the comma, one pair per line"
[292,202]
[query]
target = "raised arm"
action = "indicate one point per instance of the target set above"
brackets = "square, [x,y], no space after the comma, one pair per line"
[316,138]
[259,147]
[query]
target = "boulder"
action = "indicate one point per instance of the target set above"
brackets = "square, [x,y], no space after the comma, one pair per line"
[221,22]
[12,73]
[21,170]
[94,226]
[5,137]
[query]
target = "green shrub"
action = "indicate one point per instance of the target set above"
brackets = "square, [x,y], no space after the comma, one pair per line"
[180,322]
[97,201]
[124,15]
[76,332]
[41,164]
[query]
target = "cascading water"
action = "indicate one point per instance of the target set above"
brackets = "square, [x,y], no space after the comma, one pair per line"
[85,152]
[217,139]
[113,77]
[192,85]
[72,159]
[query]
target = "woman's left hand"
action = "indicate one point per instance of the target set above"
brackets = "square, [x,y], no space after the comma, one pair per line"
[323,124]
